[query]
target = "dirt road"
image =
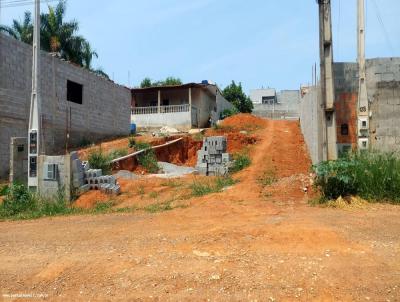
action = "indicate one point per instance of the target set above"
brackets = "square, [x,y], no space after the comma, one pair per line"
[253,242]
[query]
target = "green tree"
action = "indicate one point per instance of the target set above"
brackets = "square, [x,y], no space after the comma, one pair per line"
[146,83]
[169,81]
[22,31]
[56,35]
[234,94]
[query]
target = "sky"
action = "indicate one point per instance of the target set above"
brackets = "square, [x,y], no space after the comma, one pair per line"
[260,43]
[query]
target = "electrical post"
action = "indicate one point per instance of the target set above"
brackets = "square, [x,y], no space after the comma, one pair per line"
[34,143]
[363,105]
[327,83]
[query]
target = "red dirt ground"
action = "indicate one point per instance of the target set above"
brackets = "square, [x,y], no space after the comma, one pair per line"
[251,242]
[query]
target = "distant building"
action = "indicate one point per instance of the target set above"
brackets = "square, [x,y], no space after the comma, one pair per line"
[276,105]
[263,96]
[193,105]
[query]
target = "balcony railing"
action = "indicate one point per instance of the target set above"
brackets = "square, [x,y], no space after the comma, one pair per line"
[163,109]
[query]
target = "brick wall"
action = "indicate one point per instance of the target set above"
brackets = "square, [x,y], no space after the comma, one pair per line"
[105,111]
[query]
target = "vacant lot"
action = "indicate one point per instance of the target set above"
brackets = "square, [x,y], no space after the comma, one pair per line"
[256,241]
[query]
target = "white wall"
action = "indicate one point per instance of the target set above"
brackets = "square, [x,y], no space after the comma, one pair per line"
[256,95]
[178,120]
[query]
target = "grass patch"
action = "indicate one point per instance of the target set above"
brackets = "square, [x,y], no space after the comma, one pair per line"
[154,195]
[267,178]
[241,161]
[159,207]
[172,183]
[201,188]
[373,176]
[140,190]
[98,160]
[198,137]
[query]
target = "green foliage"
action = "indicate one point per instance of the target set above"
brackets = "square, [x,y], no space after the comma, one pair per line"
[103,207]
[146,83]
[148,160]
[4,189]
[154,195]
[241,161]
[201,188]
[131,142]
[20,203]
[98,160]
[117,153]
[142,146]
[234,94]
[228,112]
[57,35]
[172,183]
[268,178]
[159,207]
[169,81]
[371,175]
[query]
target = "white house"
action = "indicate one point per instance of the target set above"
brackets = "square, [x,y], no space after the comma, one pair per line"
[193,105]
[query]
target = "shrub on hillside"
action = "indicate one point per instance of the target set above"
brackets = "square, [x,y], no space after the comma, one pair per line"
[371,175]
[98,160]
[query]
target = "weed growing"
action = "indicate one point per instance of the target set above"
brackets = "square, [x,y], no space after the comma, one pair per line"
[154,195]
[117,153]
[98,160]
[267,178]
[241,161]
[159,207]
[373,176]
[172,183]
[4,189]
[201,188]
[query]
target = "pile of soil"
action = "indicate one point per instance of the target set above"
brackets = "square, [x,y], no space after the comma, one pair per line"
[90,199]
[244,121]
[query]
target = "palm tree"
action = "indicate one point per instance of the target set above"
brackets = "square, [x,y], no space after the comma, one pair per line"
[20,31]
[56,35]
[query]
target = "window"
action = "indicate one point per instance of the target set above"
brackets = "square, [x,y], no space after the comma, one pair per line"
[165,102]
[52,171]
[268,100]
[20,148]
[74,92]
[344,129]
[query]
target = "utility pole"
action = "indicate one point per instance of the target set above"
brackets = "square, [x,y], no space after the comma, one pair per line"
[363,105]
[327,83]
[34,142]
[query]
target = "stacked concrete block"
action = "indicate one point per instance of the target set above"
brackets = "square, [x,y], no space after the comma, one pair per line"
[212,159]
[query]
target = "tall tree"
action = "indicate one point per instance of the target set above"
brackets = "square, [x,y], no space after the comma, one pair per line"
[234,94]
[56,35]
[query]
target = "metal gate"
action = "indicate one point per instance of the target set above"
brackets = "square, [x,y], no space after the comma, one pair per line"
[195,117]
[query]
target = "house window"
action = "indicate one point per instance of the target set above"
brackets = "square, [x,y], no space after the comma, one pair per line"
[74,92]
[165,102]
[268,100]
[52,171]
[344,129]
[20,148]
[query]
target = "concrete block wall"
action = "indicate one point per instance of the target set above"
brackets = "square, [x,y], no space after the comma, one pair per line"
[383,85]
[105,111]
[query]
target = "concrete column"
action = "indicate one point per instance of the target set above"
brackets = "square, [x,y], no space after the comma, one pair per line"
[190,97]
[159,101]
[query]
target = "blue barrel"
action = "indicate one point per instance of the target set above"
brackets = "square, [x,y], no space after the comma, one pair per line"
[133,128]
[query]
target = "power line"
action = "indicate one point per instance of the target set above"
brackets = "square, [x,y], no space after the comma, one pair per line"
[379,16]
[17,3]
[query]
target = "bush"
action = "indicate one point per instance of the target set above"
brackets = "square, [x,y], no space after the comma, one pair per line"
[241,161]
[148,158]
[131,142]
[20,203]
[371,175]
[4,189]
[228,112]
[98,160]
[117,153]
